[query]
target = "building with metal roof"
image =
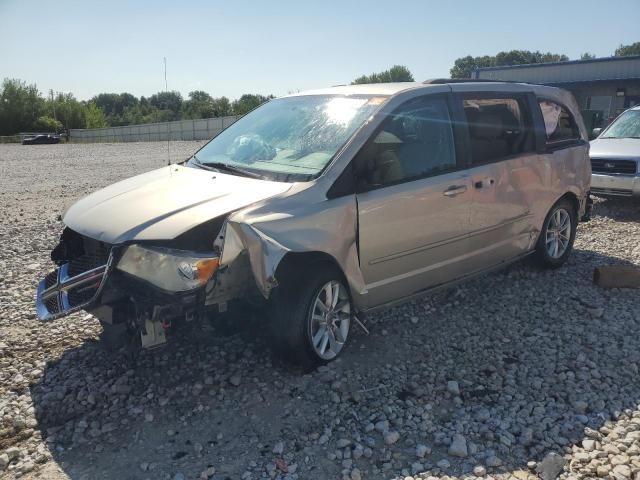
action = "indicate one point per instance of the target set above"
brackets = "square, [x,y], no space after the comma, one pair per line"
[603,87]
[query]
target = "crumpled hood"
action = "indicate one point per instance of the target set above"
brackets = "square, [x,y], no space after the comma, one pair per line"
[164,203]
[623,148]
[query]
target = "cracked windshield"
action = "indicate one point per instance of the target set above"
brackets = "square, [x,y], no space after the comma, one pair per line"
[292,138]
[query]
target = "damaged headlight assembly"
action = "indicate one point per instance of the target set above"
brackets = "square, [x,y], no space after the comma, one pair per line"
[169,269]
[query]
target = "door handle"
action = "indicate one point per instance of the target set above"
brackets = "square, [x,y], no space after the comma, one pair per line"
[454,190]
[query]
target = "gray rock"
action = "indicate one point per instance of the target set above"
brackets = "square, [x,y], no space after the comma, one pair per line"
[526,437]
[207,473]
[483,415]
[551,466]
[13,453]
[4,461]
[422,450]
[621,472]
[391,437]
[235,380]
[580,406]
[343,442]
[382,426]
[479,471]
[27,467]
[278,448]
[453,387]
[458,447]
[493,461]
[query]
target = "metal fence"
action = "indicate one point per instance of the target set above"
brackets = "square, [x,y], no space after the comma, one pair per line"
[200,129]
[10,139]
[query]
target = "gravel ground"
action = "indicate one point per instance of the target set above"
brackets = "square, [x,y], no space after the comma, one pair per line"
[518,374]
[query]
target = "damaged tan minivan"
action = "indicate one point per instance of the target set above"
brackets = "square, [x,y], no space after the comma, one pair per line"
[322,205]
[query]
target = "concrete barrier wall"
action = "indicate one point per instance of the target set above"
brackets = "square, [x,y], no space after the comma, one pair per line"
[200,129]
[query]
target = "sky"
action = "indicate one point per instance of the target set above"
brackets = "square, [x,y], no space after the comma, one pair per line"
[276,47]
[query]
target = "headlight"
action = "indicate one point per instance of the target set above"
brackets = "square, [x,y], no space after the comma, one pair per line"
[169,269]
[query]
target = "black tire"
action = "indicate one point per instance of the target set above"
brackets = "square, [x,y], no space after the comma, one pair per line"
[543,257]
[291,310]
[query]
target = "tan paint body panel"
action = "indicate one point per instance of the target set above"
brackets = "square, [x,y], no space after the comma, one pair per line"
[163,203]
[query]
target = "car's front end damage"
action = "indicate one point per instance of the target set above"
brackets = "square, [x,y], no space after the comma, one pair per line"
[161,262]
[125,278]
[139,286]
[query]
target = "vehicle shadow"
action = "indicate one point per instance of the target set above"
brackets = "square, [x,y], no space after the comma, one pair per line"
[219,397]
[623,209]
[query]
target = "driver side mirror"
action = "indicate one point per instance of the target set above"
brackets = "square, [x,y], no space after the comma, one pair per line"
[595,132]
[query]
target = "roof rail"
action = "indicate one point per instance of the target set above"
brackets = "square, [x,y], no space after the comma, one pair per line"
[441,81]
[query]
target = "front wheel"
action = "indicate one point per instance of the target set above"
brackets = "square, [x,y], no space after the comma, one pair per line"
[312,317]
[557,236]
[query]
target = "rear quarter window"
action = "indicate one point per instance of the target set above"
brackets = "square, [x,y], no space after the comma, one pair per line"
[559,124]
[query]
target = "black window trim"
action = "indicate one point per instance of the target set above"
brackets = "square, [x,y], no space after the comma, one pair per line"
[524,100]
[457,144]
[550,147]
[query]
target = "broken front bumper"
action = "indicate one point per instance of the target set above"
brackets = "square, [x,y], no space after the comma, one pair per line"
[60,293]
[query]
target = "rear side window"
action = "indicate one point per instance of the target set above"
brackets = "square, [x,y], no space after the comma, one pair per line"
[498,128]
[559,124]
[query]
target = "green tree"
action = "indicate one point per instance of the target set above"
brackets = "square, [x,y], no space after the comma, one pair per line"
[68,110]
[199,105]
[222,107]
[248,102]
[628,50]
[168,105]
[20,106]
[463,67]
[397,73]
[94,117]
[48,124]
[115,106]
[587,56]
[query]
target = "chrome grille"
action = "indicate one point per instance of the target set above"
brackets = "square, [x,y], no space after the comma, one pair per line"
[52,305]
[51,279]
[625,167]
[84,264]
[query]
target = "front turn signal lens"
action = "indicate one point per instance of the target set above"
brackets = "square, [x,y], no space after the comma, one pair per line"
[206,268]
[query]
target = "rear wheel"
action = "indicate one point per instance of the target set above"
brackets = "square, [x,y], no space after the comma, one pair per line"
[558,234]
[312,316]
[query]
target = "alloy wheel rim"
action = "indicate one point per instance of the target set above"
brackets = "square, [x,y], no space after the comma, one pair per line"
[330,319]
[558,233]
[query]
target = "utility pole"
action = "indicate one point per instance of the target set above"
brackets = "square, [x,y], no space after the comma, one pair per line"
[166,90]
[53,103]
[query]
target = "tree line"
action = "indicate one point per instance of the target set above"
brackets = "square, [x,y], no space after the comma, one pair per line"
[463,67]
[23,108]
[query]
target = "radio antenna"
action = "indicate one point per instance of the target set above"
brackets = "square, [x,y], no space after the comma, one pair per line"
[166,91]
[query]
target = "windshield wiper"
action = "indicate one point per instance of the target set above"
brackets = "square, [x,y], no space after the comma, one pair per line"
[219,166]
